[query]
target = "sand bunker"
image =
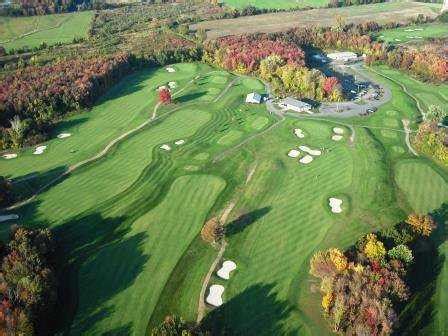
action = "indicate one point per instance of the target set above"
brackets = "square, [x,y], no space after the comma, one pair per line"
[299,133]
[338,130]
[170,69]
[64,135]
[180,142]
[227,267]
[214,296]
[5,218]
[172,85]
[165,147]
[293,153]
[306,159]
[314,152]
[336,137]
[335,204]
[9,156]
[39,150]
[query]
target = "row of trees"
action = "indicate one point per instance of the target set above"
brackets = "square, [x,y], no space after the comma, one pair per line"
[363,287]
[275,60]
[28,286]
[31,99]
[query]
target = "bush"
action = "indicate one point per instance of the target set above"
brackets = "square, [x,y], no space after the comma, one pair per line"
[401,252]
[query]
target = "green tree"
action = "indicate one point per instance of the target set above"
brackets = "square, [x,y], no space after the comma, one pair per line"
[435,114]
[16,131]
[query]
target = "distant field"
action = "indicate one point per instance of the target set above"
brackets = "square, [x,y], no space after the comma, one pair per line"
[413,33]
[275,22]
[32,31]
[279,4]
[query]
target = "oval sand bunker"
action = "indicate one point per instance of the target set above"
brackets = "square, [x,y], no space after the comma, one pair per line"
[306,159]
[335,204]
[214,297]
[338,130]
[227,267]
[299,133]
[293,153]
[64,135]
[9,156]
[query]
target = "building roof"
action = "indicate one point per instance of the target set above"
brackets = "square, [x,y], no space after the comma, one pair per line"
[295,103]
[342,54]
[253,96]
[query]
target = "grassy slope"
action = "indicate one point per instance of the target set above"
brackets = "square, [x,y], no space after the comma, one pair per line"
[280,4]
[424,31]
[108,214]
[47,28]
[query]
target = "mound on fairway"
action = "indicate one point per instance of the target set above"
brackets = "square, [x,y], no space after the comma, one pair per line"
[18,32]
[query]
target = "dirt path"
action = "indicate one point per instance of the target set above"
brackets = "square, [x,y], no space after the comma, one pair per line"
[407,138]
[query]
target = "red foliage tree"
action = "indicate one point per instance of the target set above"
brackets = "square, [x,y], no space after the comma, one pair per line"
[330,83]
[164,96]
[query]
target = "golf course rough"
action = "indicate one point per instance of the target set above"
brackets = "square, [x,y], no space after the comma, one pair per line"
[130,221]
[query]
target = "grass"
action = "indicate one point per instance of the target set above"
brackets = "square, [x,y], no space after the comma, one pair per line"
[380,12]
[427,190]
[129,223]
[279,4]
[19,32]
[414,33]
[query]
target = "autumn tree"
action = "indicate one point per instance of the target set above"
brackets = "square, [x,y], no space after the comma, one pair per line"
[435,114]
[165,96]
[421,224]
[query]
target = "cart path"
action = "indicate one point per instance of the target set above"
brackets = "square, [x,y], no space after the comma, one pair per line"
[408,132]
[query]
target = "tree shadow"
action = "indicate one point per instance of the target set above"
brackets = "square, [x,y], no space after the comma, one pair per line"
[67,124]
[243,221]
[255,311]
[27,185]
[419,312]
[87,244]
[189,97]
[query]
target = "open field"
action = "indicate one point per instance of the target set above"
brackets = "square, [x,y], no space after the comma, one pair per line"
[414,33]
[278,4]
[18,32]
[130,222]
[275,22]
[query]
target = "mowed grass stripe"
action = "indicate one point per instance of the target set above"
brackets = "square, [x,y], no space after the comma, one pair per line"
[158,250]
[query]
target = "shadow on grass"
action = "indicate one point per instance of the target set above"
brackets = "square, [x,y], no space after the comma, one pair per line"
[67,124]
[255,311]
[189,97]
[239,224]
[104,260]
[419,312]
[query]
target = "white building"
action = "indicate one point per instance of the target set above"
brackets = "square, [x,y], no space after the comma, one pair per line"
[295,105]
[253,98]
[344,56]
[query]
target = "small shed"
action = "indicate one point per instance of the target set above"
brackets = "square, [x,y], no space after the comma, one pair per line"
[253,98]
[295,105]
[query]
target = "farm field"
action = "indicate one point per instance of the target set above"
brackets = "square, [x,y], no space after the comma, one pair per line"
[18,32]
[279,4]
[118,217]
[275,22]
[414,33]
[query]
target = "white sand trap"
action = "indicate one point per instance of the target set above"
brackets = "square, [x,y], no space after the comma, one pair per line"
[165,147]
[397,40]
[335,204]
[338,130]
[215,295]
[64,135]
[336,137]
[293,153]
[39,150]
[227,267]
[299,133]
[306,159]
[170,69]
[9,156]
[172,85]
[180,142]
[160,88]
[314,152]
[5,218]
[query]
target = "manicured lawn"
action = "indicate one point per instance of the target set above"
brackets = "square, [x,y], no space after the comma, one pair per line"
[129,223]
[279,4]
[414,33]
[425,188]
[32,31]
